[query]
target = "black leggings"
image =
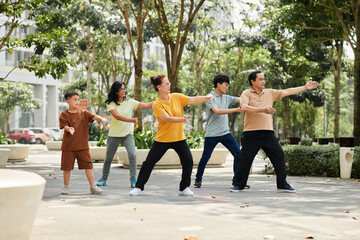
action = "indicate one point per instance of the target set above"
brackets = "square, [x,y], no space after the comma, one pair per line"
[158,149]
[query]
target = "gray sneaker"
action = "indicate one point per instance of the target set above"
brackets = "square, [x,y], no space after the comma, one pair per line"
[95,189]
[65,191]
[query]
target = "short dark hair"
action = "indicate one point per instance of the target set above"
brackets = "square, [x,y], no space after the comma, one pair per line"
[252,76]
[220,79]
[70,93]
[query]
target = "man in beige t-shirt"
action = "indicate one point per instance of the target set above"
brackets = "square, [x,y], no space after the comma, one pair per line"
[257,103]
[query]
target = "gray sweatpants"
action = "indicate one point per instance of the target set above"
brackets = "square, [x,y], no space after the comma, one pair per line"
[112,146]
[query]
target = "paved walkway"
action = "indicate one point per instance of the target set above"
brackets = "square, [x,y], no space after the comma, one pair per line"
[323,208]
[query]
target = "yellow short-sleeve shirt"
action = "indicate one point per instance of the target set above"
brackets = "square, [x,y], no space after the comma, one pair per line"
[170,132]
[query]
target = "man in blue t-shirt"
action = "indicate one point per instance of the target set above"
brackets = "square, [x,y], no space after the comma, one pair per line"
[217,126]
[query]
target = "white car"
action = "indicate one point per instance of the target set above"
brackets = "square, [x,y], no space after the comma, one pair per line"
[56,133]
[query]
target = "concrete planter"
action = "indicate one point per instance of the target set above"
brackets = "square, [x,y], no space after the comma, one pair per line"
[4,156]
[20,196]
[53,145]
[98,154]
[56,145]
[171,159]
[18,152]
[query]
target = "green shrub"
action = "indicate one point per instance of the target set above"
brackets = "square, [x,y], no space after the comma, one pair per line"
[145,138]
[312,160]
[283,142]
[355,171]
[306,142]
[195,139]
[4,139]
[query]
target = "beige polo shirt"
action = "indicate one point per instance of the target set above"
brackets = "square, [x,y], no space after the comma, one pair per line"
[259,121]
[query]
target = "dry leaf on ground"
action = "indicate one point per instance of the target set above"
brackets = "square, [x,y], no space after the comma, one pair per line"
[309,236]
[269,237]
[191,237]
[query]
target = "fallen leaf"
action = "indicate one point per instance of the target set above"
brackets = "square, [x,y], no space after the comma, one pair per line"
[269,237]
[358,180]
[141,219]
[355,218]
[244,206]
[213,196]
[309,236]
[132,210]
[347,211]
[191,237]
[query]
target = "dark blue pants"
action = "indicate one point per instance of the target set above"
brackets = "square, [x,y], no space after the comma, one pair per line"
[158,149]
[251,144]
[210,143]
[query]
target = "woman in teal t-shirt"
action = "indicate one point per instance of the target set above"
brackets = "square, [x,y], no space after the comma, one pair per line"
[121,129]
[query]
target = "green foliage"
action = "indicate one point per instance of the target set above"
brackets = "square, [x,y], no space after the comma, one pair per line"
[306,142]
[195,139]
[94,132]
[283,142]
[144,139]
[312,161]
[17,94]
[4,139]
[355,171]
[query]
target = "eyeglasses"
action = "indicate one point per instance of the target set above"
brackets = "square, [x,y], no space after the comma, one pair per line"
[167,83]
[122,90]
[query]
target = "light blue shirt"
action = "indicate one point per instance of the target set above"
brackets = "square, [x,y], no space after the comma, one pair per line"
[218,125]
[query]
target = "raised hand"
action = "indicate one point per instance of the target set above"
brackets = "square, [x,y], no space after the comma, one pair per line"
[187,118]
[311,85]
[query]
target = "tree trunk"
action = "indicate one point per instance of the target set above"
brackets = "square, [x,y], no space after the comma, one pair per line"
[7,117]
[336,72]
[357,93]
[138,61]
[198,89]
[88,87]
[286,116]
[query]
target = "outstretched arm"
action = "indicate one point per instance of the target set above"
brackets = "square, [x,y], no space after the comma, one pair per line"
[219,111]
[142,105]
[292,91]
[165,117]
[100,119]
[119,117]
[200,99]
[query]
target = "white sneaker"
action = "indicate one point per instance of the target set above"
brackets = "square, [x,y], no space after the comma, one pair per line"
[136,192]
[95,189]
[186,192]
[65,191]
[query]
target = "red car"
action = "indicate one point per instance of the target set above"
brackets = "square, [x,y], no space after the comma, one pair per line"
[22,135]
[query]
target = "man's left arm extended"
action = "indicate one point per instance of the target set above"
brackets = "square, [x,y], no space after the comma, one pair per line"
[292,91]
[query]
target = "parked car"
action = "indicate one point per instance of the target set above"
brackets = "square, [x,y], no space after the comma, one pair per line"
[22,135]
[41,135]
[56,133]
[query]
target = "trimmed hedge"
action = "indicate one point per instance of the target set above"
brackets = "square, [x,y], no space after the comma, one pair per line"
[321,161]
[355,171]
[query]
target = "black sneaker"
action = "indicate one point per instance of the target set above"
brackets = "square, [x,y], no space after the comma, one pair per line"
[197,183]
[287,189]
